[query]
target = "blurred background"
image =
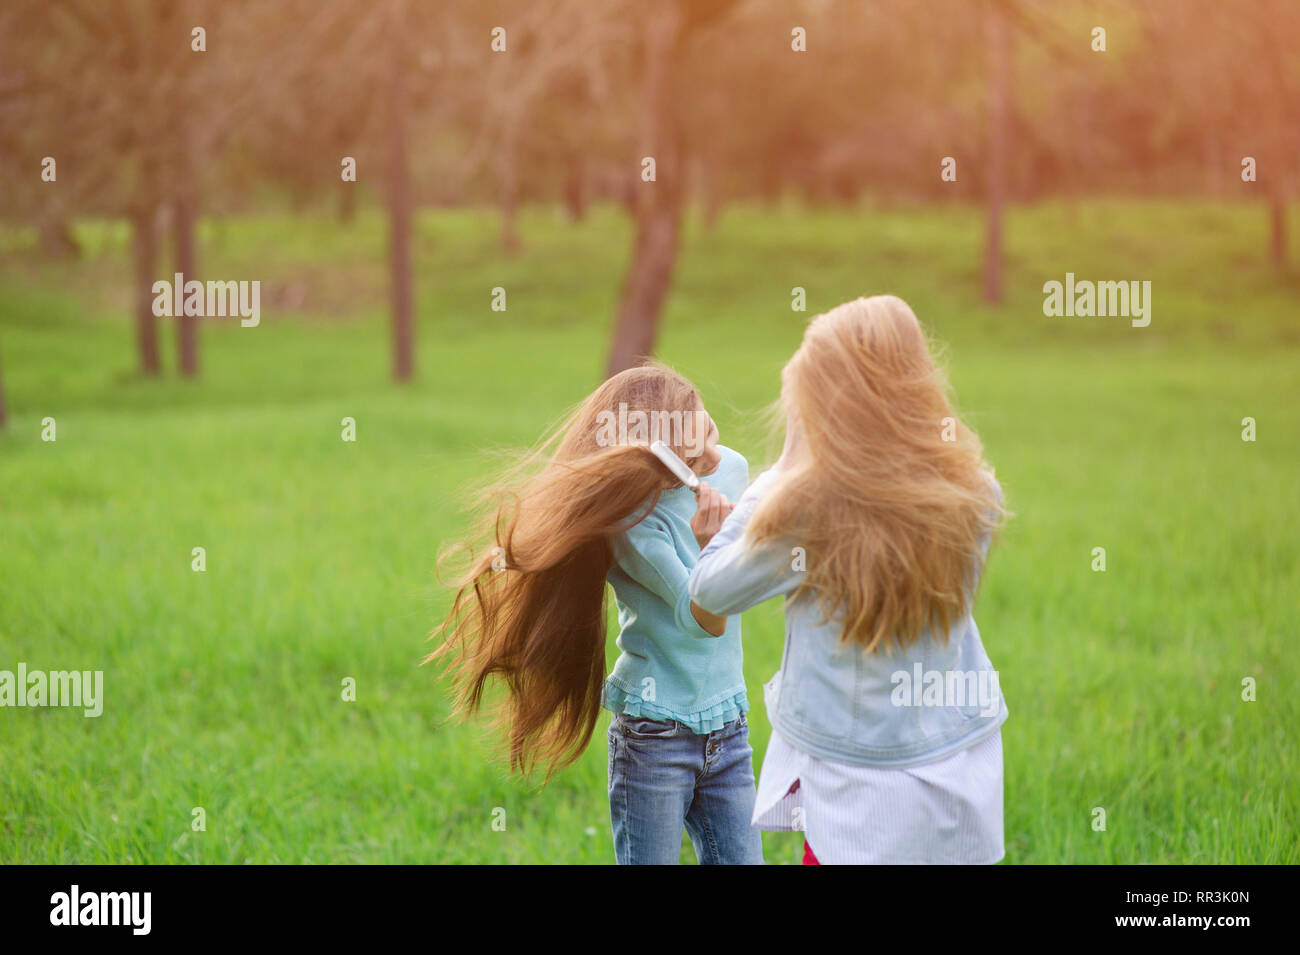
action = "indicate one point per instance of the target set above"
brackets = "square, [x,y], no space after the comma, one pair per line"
[457,234]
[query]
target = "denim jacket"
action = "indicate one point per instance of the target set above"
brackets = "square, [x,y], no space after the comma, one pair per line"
[890,708]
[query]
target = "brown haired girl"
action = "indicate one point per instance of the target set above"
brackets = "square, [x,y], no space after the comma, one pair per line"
[531,613]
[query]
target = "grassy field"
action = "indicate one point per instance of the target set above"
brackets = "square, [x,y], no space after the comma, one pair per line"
[223,688]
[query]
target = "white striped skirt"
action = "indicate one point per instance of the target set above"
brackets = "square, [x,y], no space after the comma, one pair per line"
[943,813]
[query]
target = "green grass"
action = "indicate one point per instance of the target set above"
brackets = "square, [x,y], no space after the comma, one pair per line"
[223,689]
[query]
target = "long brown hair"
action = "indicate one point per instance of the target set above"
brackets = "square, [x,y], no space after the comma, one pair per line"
[888,492]
[531,610]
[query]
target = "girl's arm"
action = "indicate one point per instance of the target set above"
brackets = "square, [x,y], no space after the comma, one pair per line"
[647,554]
[731,576]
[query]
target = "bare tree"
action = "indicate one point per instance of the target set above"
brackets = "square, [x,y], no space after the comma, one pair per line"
[659,203]
[184,221]
[1251,107]
[999,110]
[144,256]
[399,196]
[131,128]
[3,415]
[665,29]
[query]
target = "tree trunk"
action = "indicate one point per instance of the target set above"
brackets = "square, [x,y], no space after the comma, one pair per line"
[187,329]
[1277,208]
[999,102]
[508,183]
[144,243]
[575,191]
[710,194]
[347,202]
[1215,180]
[399,207]
[56,238]
[659,203]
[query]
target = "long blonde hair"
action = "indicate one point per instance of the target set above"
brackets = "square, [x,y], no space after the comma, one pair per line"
[889,493]
[530,611]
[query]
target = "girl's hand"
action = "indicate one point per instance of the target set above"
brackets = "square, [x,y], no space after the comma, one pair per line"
[712,508]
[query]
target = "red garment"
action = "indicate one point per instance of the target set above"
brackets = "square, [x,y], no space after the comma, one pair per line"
[808,857]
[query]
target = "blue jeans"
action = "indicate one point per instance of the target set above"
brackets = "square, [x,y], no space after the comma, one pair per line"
[663,777]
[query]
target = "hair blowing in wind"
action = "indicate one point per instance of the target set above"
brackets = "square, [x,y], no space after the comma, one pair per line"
[891,503]
[536,620]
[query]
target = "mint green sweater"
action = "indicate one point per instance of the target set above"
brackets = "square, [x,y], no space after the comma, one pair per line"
[670,667]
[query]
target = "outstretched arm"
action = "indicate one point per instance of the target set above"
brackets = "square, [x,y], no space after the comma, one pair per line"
[648,555]
[732,576]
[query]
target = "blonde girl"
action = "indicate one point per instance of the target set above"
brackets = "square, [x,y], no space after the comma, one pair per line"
[874,525]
